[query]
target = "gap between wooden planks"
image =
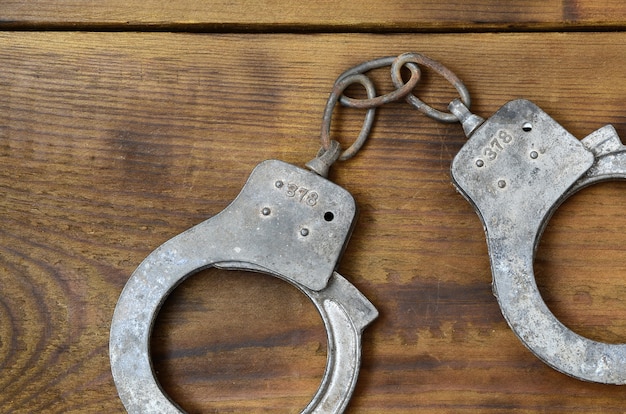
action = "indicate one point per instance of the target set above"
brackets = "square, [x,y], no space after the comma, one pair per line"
[326,16]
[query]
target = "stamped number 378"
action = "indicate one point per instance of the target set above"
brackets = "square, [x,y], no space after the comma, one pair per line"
[302,194]
[497,144]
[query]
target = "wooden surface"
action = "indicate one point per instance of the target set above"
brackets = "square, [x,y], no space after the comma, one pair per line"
[113,142]
[330,15]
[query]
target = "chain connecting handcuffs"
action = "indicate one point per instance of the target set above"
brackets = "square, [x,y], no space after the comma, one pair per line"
[516,169]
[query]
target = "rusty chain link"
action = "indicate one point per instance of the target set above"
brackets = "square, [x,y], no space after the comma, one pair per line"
[403,90]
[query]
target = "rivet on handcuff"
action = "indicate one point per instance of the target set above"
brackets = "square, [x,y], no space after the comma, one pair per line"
[516,169]
[287,222]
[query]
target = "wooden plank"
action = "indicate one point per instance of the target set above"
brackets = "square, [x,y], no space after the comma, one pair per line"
[344,15]
[111,143]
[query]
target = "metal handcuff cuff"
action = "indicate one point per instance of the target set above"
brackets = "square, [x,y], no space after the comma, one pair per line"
[517,168]
[287,222]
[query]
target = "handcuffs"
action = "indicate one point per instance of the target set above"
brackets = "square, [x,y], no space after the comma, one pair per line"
[516,169]
[286,222]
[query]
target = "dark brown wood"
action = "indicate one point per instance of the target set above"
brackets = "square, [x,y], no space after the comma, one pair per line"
[342,15]
[111,143]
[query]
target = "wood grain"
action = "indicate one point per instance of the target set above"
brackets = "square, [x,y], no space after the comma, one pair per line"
[324,16]
[111,143]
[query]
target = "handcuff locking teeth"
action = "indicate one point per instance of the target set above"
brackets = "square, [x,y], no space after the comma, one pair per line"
[286,222]
[516,169]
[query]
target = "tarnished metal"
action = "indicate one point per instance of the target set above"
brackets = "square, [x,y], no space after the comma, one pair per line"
[468,120]
[516,169]
[403,90]
[325,158]
[417,58]
[286,222]
[341,85]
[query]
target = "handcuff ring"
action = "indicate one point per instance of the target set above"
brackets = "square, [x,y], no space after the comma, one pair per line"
[516,169]
[286,222]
